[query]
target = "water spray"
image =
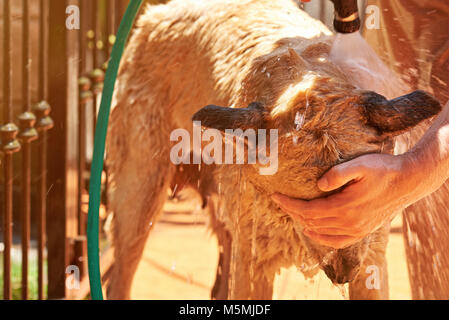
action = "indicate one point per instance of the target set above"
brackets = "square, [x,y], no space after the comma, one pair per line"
[356,58]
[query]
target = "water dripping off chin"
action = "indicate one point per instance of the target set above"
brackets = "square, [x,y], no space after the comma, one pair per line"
[343,290]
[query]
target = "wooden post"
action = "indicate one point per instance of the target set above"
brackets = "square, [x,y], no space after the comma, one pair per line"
[62,145]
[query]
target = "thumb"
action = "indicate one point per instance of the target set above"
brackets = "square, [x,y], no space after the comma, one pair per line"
[340,175]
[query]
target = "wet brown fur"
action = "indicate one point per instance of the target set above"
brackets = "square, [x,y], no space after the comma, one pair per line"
[189,54]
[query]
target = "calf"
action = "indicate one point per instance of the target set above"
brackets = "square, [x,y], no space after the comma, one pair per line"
[269,62]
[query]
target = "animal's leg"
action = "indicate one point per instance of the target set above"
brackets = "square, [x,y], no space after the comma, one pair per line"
[263,285]
[247,287]
[249,280]
[137,201]
[221,285]
[220,289]
[372,281]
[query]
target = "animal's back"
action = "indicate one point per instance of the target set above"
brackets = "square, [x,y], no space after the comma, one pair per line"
[189,47]
[190,53]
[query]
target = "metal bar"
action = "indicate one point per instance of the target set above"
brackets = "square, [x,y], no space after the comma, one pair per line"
[27,135]
[56,220]
[44,123]
[26,209]
[108,29]
[117,15]
[42,210]
[25,56]
[112,24]
[82,37]
[61,194]
[9,146]
[97,78]
[84,88]
[43,40]
[85,96]
[7,235]
[105,166]
[94,26]
[42,184]
[102,18]
[7,62]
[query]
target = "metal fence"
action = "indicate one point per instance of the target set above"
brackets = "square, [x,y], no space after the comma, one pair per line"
[45,157]
[34,122]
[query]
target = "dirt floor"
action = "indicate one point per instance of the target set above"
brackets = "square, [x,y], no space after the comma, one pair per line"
[181,256]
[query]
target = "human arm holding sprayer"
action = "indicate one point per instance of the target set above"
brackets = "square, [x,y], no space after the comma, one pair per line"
[378,187]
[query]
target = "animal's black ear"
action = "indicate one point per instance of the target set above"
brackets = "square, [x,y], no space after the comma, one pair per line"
[393,117]
[222,118]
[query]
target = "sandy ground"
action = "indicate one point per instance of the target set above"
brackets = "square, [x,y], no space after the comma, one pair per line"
[181,256]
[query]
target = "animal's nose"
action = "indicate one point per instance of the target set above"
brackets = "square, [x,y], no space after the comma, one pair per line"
[341,275]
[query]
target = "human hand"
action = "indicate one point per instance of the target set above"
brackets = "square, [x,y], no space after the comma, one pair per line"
[379,186]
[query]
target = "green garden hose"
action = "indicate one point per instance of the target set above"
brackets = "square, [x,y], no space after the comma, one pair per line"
[93,254]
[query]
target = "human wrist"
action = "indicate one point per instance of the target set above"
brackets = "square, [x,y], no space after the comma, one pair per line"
[420,173]
[411,175]
[408,163]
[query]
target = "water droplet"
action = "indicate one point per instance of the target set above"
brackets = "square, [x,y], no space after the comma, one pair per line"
[173,194]
[299,121]
[343,291]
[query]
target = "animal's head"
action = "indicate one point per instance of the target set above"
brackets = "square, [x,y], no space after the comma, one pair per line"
[322,120]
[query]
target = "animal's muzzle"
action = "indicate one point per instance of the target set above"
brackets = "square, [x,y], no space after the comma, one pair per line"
[342,269]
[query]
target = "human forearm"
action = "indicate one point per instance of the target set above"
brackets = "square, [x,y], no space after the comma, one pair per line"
[427,164]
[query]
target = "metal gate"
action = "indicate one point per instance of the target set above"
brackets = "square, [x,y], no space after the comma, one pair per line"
[52,81]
